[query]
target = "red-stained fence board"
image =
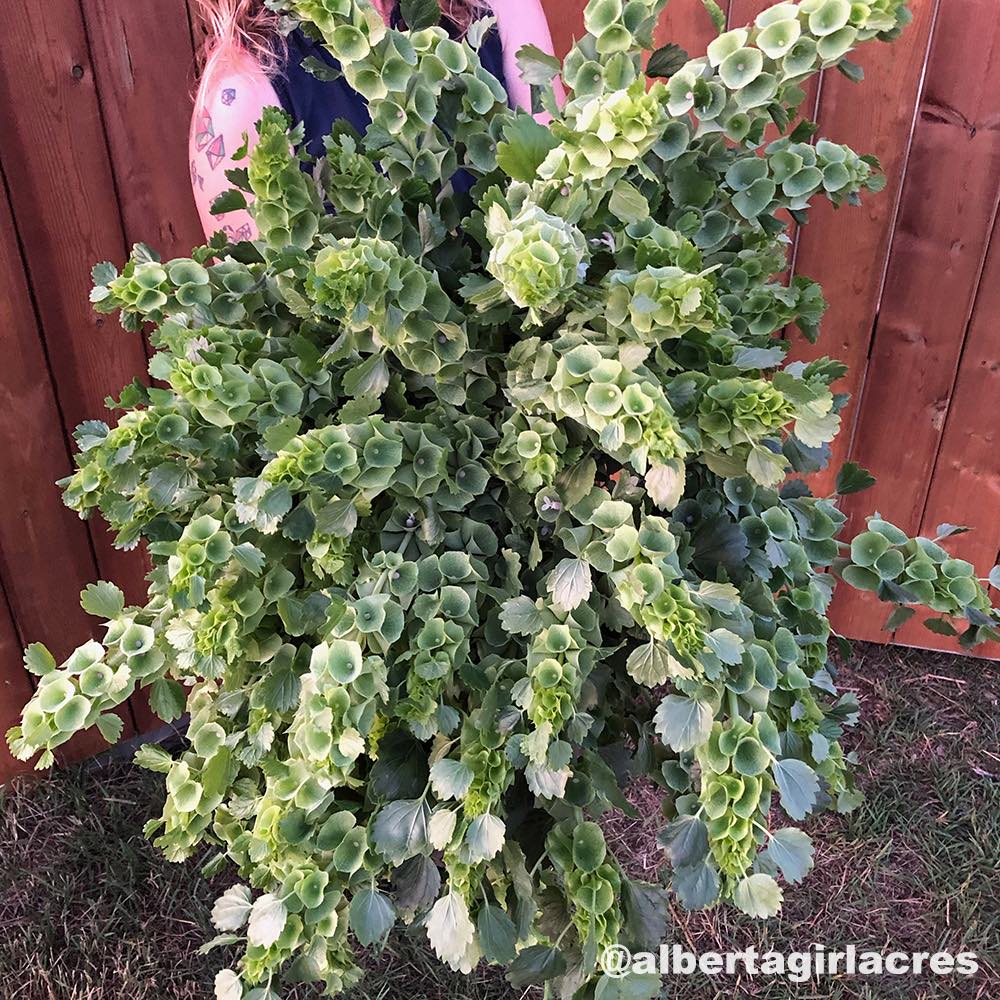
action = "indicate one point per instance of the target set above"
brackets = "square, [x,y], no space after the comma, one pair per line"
[845,249]
[965,488]
[946,215]
[144,65]
[565,19]
[15,690]
[45,553]
[686,23]
[63,197]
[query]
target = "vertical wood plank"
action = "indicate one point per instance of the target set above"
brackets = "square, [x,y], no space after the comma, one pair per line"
[946,215]
[65,209]
[143,62]
[686,23]
[15,690]
[144,68]
[965,486]
[565,19]
[845,249]
[45,552]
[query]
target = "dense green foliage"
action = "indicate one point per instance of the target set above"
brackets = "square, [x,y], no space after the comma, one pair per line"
[466,506]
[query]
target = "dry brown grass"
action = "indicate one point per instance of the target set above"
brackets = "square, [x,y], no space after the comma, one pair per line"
[89,911]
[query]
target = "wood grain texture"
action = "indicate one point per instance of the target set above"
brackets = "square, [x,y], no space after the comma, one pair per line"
[144,68]
[846,249]
[686,23]
[965,485]
[15,690]
[946,215]
[143,61]
[46,557]
[565,19]
[65,209]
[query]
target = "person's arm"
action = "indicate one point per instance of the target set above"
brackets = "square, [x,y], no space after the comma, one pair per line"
[228,105]
[523,22]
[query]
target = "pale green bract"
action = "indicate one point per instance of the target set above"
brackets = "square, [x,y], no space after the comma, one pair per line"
[439,484]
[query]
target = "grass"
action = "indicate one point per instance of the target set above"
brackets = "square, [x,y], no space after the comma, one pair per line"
[90,911]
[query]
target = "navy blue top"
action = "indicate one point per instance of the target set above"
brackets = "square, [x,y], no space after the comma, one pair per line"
[318,103]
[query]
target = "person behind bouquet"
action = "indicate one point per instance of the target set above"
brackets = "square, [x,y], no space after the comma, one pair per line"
[249,65]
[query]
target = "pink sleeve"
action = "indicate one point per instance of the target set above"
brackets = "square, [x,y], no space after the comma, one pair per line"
[523,22]
[229,103]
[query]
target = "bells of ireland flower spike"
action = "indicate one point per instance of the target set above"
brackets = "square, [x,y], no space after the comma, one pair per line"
[538,258]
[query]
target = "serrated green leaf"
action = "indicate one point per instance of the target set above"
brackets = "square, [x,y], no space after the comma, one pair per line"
[103,600]
[666,60]
[167,699]
[526,144]
[758,896]
[791,851]
[683,723]
[798,785]
[497,935]
[852,479]
[535,965]
[372,916]
[420,14]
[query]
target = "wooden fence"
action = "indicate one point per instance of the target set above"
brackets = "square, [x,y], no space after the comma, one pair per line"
[94,110]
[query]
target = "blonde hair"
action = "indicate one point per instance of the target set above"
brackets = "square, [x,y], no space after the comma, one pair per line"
[246,27]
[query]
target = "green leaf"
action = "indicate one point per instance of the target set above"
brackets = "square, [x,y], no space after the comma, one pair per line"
[685,841]
[153,758]
[110,727]
[946,530]
[38,660]
[232,909]
[420,14]
[628,204]
[450,779]
[527,144]
[164,481]
[536,66]
[940,626]
[167,699]
[249,557]
[372,916]
[898,618]
[726,645]
[535,965]
[716,13]
[267,920]
[852,479]
[570,584]
[683,723]
[103,600]
[666,60]
[449,929]
[400,830]
[231,200]
[417,882]
[653,664]
[665,483]
[497,935]
[758,895]
[631,986]
[519,616]
[696,886]
[851,70]
[791,851]
[798,785]
[647,911]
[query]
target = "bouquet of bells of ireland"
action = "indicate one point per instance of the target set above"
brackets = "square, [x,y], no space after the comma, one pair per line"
[468,506]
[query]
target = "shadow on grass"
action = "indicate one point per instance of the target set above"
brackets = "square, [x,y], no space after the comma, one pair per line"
[90,911]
